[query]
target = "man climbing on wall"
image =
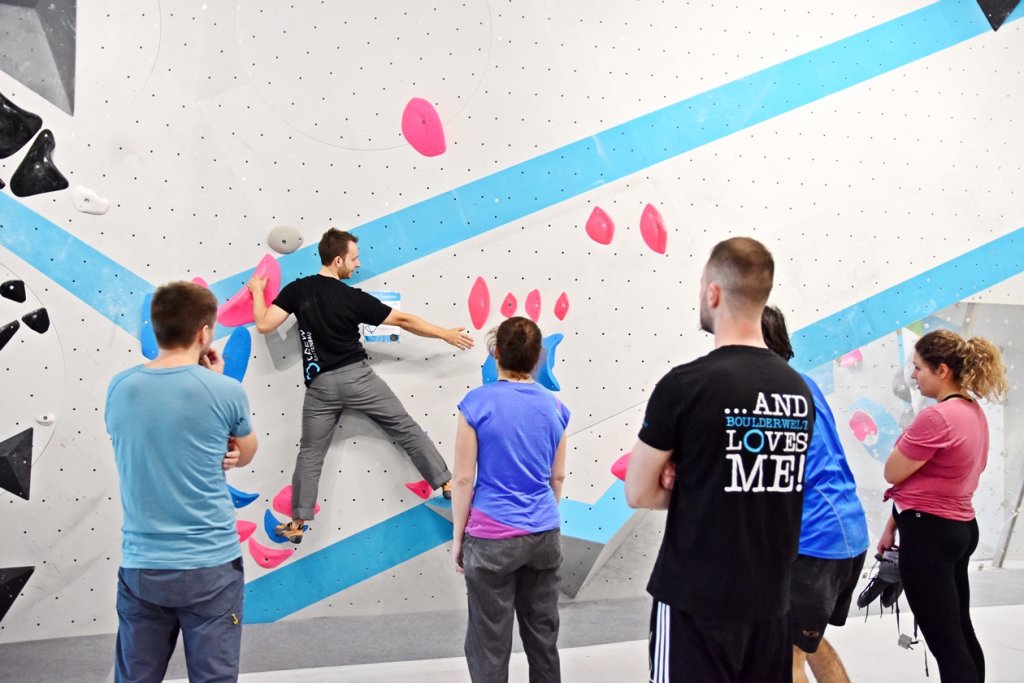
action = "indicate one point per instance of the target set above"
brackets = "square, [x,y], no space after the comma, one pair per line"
[177,424]
[734,425]
[833,534]
[336,371]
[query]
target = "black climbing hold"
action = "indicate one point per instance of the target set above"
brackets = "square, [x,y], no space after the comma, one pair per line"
[12,581]
[13,290]
[7,331]
[17,127]
[37,174]
[16,463]
[38,320]
[2,184]
[996,11]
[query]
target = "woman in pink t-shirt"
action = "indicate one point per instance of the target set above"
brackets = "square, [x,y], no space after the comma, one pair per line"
[934,470]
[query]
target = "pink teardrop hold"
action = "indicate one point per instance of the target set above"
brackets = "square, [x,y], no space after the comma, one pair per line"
[863,425]
[852,359]
[479,303]
[420,488]
[238,309]
[268,558]
[600,227]
[620,466]
[245,529]
[652,229]
[283,502]
[422,127]
[533,305]
[562,306]
[509,306]
[201,282]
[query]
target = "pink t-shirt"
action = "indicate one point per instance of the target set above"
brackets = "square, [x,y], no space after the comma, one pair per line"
[952,437]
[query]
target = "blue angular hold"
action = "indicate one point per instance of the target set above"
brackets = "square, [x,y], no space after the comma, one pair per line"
[149,348]
[241,498]
[236,353]
[544,373]
[270,523]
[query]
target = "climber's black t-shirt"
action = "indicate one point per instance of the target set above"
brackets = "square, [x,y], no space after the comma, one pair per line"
[738,421]
[329,313]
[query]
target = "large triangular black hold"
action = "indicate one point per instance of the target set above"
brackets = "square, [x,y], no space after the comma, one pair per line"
[12,581]
[38,320]
[13,290]
[7,332]
[997,11]
[37,173]
[16,463]
[17,127]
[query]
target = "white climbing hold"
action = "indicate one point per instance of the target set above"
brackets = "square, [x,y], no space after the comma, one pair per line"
[88,201]
[284,239]
[46,419]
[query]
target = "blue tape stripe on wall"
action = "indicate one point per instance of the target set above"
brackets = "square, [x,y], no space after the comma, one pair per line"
[331,570]
[508,195]
[110,288]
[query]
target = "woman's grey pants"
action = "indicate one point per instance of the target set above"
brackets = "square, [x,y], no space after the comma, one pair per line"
[358,387]
[512,575]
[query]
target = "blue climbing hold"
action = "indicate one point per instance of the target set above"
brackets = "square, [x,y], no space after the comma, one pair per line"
[236,353]
[545,371]
[270,523]
[149,348]
[241,498]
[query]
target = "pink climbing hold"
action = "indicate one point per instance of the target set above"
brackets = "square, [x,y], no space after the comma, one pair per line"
[862,425]
[852,359]
[422,127]
[420,488]
[238,310]
[201,282]
[600,226]
[533,305]
[479,303]
[509,305]
[652,229]
[283,502]
[268,558]
[245,529]
[620,466]
[562,306]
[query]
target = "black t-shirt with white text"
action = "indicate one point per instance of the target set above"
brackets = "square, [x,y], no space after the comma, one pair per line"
[739,422]
[329,313]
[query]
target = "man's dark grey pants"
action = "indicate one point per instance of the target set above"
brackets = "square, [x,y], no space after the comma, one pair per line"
[358,387]
[512,575]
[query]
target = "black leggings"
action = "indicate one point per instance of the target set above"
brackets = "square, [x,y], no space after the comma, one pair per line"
[934,554]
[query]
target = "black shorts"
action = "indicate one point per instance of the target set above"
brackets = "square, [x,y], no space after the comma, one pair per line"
[820,594]
[685,647]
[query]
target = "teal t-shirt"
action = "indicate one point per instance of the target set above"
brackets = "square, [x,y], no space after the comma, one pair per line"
[170,430]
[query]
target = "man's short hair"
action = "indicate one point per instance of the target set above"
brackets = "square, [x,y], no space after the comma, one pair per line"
[333,244]
[744,269]
[178,311]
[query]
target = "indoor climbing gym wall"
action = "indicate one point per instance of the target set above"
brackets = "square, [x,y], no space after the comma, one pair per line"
[573,162]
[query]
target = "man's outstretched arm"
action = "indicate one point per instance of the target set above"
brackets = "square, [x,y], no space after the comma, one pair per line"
[267,319]
[418,326]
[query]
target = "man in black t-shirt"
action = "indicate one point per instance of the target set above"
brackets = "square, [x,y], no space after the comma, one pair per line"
[335,370]
[722,449]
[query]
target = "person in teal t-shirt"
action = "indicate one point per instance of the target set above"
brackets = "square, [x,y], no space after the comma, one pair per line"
[177,424]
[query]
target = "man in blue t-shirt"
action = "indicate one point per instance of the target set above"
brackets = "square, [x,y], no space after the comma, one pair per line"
[177,424]
[833,535]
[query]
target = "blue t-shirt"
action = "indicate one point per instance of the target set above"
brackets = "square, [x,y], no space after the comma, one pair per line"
[518,427]
[170,430]
[834,526]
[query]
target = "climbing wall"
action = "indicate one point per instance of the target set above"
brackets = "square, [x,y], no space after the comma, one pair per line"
[573,162]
